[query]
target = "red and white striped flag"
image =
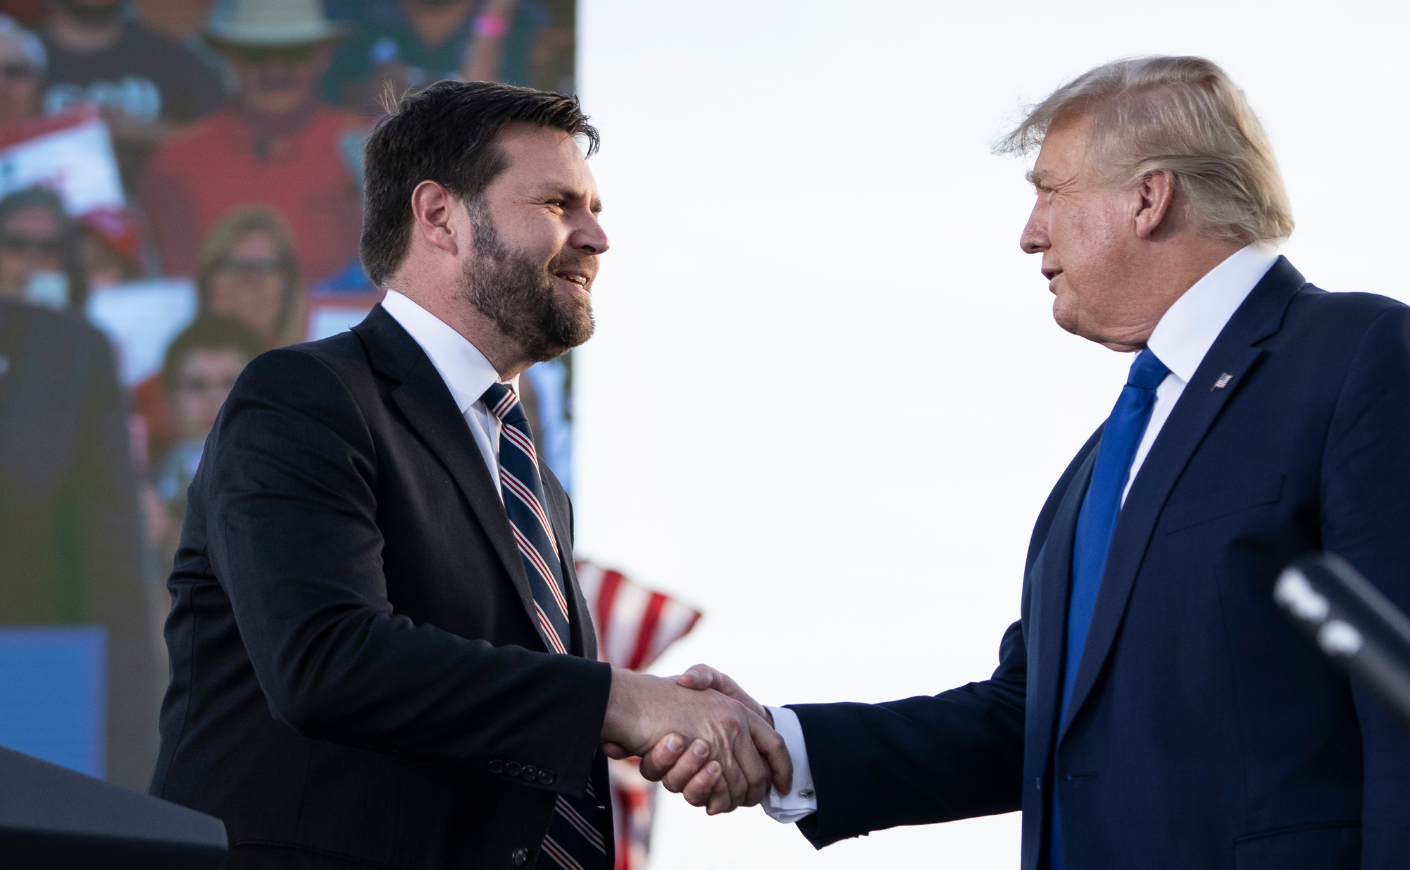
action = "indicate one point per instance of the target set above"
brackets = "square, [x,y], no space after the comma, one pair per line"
[634,626]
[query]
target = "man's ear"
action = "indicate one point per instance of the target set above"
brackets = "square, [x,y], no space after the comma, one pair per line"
[431,210]
[1156,196]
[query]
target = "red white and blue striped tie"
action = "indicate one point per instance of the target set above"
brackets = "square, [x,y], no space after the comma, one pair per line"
[575,835]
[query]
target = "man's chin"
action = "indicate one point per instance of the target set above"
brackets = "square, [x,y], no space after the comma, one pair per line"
[578,311]
[574,335]
[1065,317]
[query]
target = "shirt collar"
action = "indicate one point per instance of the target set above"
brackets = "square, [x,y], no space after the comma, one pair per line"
[1188,329]
[464,369]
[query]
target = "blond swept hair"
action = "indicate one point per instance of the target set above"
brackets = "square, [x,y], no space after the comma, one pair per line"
[1181,115]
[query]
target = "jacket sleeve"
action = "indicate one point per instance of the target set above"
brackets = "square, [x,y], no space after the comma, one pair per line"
[289,485]
[920,760]
[1366,519]
[927,759]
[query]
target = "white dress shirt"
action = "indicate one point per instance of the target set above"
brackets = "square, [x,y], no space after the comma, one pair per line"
[466,372]
[1181,339]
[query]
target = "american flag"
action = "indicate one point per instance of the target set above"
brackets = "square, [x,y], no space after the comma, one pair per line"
[634,626]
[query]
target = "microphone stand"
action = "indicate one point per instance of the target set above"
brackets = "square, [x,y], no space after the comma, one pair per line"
[1353,623]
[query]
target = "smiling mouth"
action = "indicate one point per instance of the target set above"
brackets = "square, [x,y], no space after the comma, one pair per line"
[577,279]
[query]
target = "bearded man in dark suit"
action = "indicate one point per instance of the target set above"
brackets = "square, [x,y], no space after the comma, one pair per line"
[380,653]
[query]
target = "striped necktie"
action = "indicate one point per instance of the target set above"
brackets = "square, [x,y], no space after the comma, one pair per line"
[575,834]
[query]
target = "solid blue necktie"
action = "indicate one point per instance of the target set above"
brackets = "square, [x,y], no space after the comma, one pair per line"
[576,835]
[1096,523]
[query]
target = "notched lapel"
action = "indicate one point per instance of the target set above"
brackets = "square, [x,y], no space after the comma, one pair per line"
[428,406]
[1052,580]
[1233,355]
[584,640]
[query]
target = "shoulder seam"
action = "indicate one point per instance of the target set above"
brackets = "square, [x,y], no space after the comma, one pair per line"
[336,376]
[1360,347]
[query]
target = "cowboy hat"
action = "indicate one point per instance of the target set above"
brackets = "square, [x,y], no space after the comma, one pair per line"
[269,23]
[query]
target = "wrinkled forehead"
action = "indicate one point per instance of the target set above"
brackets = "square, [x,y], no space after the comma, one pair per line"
[544,155]
[521,139]
[1065,152]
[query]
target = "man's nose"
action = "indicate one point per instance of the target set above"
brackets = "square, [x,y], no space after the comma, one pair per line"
[1035,233]
[589,237]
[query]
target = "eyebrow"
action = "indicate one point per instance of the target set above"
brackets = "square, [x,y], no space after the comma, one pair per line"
[1036,177]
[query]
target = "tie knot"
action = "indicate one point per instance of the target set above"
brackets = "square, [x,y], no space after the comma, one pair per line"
[1147,371]
[501,400]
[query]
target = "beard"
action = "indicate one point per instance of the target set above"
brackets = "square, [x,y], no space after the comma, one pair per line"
[516,293]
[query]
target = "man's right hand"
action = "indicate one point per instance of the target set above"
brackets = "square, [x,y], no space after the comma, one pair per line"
[646,714]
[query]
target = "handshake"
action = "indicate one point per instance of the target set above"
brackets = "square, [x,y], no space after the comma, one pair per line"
[699,734]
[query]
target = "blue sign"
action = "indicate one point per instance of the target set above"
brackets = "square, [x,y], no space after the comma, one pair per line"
[54,694]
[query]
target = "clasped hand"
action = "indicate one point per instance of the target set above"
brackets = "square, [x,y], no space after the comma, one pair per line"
[699,734]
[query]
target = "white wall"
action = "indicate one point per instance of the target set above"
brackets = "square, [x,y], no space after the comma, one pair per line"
[826,398]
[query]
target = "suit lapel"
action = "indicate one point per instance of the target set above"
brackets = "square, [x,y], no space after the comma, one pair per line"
[1052,577]
[425,400]
[584,639]
[1229,361]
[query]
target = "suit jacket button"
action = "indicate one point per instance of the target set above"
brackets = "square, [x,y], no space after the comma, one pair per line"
[519,856]
[546,776]
[513,768]
[496,766]
[530,772]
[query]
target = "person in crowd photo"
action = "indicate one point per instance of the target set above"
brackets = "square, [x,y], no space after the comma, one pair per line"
[246,271]
[70,542]
[377,628]
[1152,708]
[110,247]
[198,372]
[145,83]
[22,65]
[39,253]
[408,44]
[277,144]
[182,21]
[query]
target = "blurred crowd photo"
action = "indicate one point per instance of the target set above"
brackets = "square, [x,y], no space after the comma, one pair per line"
[180,191]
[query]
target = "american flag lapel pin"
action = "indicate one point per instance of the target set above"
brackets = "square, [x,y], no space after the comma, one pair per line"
[1223,382]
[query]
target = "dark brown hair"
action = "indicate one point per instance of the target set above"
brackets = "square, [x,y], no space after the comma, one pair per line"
[208,332]
[67,235]
[446,134]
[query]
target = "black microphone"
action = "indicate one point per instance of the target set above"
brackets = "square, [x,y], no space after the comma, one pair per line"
[1353,623]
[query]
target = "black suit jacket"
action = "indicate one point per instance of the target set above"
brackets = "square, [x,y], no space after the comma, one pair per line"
[1203,731]
[356,671]
[70,540]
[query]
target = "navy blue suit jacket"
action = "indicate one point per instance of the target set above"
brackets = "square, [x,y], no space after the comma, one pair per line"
[1204,731]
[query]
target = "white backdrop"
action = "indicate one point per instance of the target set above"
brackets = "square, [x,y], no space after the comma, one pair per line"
[826,397]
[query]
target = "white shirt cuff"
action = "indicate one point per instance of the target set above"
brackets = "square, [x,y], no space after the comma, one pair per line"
[802,801]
